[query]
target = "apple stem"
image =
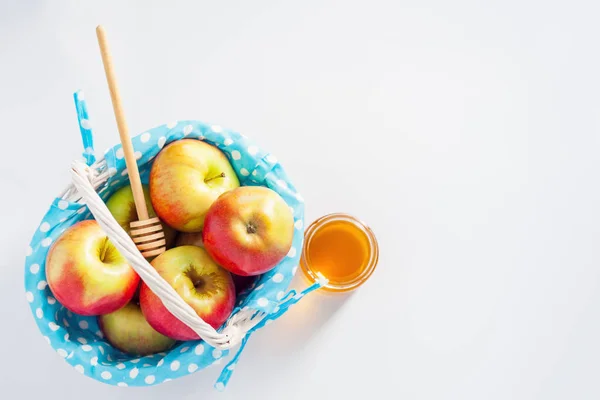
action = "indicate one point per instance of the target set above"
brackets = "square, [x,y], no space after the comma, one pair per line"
[221,175]
[103,250]
[251,228]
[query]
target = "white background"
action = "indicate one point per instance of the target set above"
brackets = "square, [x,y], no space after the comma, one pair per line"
[464,132]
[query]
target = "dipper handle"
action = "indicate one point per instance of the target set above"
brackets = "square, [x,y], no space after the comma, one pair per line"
[147,233]
[130,161]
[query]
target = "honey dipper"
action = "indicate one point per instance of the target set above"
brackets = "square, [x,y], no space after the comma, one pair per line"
[147,233]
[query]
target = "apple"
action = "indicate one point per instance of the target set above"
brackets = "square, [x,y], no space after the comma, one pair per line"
[127,330]
[122,207]
[201,283]
[87,274]
[195,239]
[248,230]
[186,177]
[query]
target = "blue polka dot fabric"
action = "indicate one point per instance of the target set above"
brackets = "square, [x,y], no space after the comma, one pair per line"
[78,339]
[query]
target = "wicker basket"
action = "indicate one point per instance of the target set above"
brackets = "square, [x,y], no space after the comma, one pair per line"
[78,339]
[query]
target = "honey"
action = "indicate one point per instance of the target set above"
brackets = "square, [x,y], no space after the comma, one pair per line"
[341,249]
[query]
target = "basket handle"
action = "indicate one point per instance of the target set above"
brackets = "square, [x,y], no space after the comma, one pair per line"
[236,327]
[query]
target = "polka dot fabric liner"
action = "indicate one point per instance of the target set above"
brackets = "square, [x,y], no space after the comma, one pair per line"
[79,340]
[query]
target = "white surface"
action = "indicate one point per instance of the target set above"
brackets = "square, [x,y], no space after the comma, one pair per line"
[470,144]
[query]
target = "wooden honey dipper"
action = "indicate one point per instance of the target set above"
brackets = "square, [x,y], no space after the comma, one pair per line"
[147,233]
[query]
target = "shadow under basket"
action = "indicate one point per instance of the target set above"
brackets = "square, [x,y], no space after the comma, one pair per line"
[78,339]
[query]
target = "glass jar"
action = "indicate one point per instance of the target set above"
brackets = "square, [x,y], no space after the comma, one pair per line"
[340,248]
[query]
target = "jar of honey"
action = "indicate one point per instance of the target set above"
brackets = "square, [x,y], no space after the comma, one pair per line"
[340,248]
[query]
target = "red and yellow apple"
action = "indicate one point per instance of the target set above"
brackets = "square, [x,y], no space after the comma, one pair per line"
[195,239]
[127,330]
[248,230]
[186,177]
[122,207]
[201,283]
[87,274]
